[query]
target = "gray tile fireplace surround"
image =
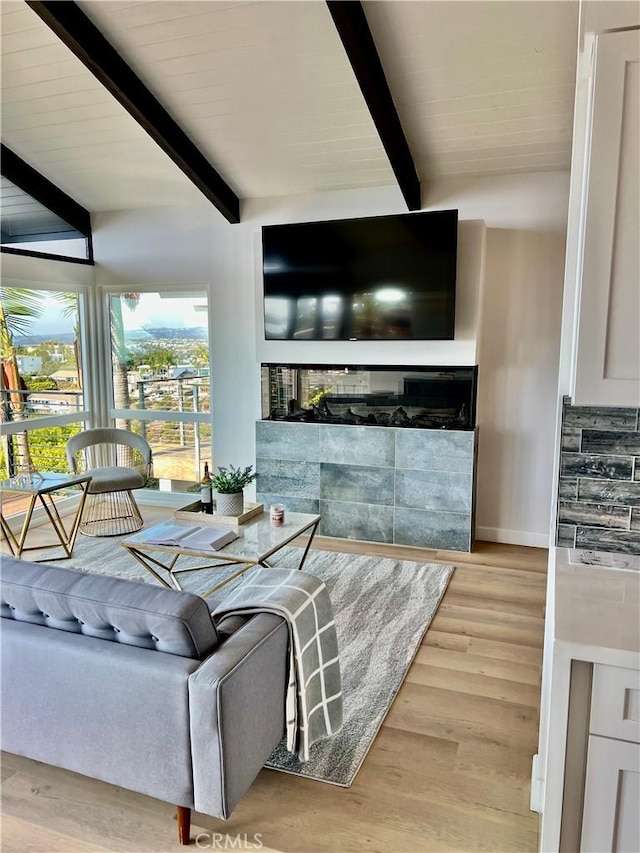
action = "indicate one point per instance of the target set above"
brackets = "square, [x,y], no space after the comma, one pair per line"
[599,487]
[380,484]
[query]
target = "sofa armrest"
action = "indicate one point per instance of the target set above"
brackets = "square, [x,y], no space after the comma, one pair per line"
[237,711]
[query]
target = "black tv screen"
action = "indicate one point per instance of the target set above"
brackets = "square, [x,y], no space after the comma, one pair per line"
[376,278]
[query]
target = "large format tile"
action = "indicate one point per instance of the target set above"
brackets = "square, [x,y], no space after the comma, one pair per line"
[289,503]
[600,417]
[293,479]
[356,483]
[282,440]
[434,490]
[610,491]
[447,531]
[356,521]
[349,474]
[590,465]
[610,442]
[604,539]
[434,450]
[357,445]
[594,515]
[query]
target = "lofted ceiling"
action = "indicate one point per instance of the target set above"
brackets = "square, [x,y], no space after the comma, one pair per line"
[482,88]
[23,217]
[266,92]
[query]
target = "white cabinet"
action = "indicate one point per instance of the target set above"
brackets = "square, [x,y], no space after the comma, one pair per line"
[606,369]
[611,813]
[615,703]
[611,819]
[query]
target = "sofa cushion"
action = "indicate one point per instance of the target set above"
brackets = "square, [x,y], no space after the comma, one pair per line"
[110,608]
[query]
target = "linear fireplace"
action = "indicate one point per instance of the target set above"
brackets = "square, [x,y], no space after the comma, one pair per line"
[405,397]
[381,454]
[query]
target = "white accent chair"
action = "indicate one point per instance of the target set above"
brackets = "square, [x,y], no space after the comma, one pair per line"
[118,461]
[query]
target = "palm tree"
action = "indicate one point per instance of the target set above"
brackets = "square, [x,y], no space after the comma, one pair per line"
[119,354]
[18,309]
[69,302]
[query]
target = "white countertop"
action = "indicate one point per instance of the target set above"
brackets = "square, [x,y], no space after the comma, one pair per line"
[597,606]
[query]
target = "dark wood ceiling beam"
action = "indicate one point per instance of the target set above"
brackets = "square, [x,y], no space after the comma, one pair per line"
[353,29]
[85,40]
[41,189]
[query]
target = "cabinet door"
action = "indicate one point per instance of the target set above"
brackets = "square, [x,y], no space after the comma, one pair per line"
[611,821]
[607,368]
[615,706]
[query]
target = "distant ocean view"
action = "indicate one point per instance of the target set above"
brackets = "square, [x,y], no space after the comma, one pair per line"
[34,340]
[159,333]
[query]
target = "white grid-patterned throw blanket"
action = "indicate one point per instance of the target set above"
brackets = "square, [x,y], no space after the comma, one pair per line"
[314,694]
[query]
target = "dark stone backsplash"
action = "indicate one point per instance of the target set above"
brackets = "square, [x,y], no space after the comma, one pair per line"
[599,490]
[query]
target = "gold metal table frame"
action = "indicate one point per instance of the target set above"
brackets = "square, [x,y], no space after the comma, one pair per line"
[245,551]
[40,488]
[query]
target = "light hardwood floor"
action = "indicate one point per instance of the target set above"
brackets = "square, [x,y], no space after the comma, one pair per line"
[449,770]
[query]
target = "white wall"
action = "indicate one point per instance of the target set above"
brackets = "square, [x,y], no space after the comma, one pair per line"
[17,269]
[517,385]
[526,218]
[519,331]
[352,203]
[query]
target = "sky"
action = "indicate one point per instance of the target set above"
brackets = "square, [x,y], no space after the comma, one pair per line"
[151,311]
[155,310]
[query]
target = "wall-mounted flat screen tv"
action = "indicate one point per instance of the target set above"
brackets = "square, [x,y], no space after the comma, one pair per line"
[377,278]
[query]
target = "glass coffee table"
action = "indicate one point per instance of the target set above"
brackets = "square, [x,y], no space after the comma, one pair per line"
[40,489]
[257,540]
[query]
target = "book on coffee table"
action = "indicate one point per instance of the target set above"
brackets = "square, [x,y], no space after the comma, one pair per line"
[198,538]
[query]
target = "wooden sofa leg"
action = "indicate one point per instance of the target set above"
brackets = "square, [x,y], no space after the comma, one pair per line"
[184,824]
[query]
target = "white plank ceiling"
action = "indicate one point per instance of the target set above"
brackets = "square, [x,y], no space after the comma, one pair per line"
[481,88]
[64,123]
[266,92]
[264,88]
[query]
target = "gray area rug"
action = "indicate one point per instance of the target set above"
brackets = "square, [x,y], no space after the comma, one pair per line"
[382,609]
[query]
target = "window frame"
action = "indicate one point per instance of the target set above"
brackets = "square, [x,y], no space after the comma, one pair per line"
[44,192]
[199,289]
[83,415]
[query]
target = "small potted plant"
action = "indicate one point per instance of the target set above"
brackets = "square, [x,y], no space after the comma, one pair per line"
[228,483]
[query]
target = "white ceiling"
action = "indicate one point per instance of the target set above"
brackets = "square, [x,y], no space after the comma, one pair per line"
[481,88]
[63,122]
[267,93]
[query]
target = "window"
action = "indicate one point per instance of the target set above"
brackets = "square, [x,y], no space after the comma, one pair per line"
[42,389]
[160,373]
[37,217]
[28,226]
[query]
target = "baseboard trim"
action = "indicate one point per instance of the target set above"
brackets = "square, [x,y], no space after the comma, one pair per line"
[513,537]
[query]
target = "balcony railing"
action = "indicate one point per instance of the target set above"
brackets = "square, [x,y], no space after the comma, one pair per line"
[177,444]
[21,404]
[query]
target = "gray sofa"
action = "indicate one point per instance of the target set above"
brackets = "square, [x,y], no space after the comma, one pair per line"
[134,685]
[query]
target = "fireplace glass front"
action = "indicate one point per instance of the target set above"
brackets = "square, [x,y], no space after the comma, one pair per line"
[415,397]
